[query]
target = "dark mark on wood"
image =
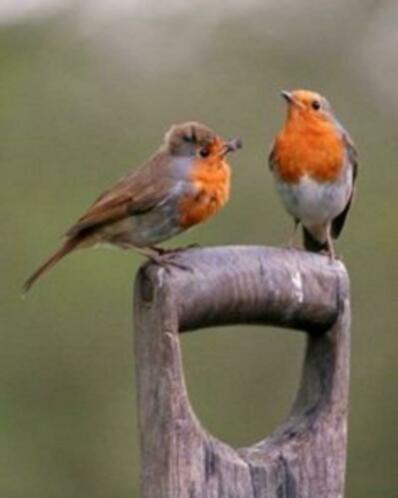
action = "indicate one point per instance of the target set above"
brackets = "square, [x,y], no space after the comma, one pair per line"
[147,289]
[287,487]
[210,461]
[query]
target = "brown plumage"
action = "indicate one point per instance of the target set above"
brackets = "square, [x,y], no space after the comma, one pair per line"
[185,182]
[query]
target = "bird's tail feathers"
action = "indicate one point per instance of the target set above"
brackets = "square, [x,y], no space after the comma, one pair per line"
[68,246]
[311,243]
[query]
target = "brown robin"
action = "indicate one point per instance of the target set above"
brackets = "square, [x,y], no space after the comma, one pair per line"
[183,184]
[315,164]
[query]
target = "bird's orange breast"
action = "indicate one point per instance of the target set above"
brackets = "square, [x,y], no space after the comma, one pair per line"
[316,151]
[211,179]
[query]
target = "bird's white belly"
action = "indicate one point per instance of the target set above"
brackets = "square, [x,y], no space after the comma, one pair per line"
[313,202]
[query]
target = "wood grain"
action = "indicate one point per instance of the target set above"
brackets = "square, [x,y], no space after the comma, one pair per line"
[305,457]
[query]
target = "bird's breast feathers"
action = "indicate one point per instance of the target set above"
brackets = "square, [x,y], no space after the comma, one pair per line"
[311,201]
[319,154]
[211,181]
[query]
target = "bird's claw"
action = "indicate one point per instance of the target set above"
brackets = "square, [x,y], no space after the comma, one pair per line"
[166,258]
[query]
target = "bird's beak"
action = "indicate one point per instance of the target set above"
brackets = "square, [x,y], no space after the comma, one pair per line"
[231,146]
[288,96]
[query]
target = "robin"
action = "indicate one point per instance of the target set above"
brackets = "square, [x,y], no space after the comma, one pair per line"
[315,163]
[183,184]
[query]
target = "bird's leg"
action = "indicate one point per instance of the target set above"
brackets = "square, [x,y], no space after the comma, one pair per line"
[330,246]
[290,244]
[161,257]
[195,245]
[158,255]
[148,252]
[158,250]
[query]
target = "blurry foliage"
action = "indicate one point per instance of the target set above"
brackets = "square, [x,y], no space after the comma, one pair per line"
[82,100]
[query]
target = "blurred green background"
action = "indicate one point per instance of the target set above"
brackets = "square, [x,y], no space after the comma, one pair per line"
[87,90]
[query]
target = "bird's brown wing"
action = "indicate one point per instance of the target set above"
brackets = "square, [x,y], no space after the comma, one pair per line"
[272,158]
[136,193]
[352,156]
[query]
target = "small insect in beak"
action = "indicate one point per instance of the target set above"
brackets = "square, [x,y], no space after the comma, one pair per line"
[231,146]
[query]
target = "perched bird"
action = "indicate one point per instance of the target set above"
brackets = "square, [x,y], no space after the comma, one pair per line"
[184,183]
[315,163]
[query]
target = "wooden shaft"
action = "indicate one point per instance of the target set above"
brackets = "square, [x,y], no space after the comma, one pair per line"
[305,456]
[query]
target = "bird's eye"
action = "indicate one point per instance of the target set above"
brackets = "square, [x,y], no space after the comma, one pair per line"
[188,138]
[204,152]
[316,105]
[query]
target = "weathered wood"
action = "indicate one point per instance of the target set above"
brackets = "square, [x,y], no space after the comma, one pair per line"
[305,457]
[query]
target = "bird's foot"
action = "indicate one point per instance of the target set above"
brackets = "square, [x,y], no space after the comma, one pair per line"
[160,256]
[332,256]
[158,250]
[166,257]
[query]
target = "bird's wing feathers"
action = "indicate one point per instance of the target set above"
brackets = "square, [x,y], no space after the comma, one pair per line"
[352,157]
[272,158]
[136,193]
[352,153]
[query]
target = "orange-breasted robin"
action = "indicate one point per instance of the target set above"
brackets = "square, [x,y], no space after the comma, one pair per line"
[183,184]
[315,163]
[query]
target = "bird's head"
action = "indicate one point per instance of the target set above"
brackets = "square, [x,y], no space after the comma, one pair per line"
[192,139]
[305,105]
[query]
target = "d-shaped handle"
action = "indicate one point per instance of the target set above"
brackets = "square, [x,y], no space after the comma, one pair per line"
[305,456]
